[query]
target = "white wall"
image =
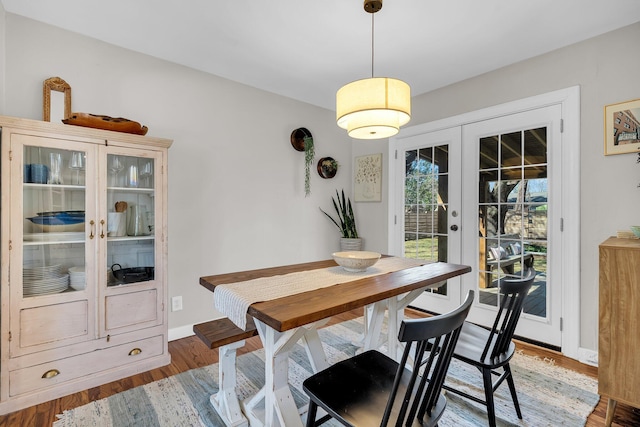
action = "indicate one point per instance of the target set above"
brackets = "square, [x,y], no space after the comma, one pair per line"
[236,197]
[2,56]
[606,70]
[236,185]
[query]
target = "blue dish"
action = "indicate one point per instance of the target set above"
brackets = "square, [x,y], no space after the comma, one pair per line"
[62,213]
[57,219]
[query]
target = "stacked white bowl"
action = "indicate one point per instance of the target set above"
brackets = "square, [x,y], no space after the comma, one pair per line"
[77,278]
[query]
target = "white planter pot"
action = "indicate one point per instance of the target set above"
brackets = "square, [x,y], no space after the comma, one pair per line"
[348,244]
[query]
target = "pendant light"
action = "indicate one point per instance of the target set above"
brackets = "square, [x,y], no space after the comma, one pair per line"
[376,107]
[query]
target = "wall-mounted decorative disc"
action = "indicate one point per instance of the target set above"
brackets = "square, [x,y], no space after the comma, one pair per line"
[297,138]
[327,167]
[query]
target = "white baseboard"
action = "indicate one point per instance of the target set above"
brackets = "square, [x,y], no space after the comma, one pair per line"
[587,356]
[183,331]
[180,332]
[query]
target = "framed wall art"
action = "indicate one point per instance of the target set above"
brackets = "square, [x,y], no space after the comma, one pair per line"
[622,128]
[368,178]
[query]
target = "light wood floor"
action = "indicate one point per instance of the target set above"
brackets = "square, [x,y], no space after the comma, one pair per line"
[189,353]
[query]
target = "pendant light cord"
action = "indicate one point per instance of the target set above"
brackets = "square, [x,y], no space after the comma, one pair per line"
[372,42]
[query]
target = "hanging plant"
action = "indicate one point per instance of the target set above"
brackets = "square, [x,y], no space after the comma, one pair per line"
[309,154]
[327,167]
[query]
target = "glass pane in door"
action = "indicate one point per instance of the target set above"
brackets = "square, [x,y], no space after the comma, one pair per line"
[130,219]
[54,200]
[426,203]
[512,214]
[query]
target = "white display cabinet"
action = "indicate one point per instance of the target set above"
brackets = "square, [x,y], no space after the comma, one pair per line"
[84,256]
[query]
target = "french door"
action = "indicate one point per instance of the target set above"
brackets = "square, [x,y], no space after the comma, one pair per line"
[428,173]
[511,191]
[493,205]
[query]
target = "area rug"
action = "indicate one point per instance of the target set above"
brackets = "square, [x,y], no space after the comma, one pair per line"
[549,395]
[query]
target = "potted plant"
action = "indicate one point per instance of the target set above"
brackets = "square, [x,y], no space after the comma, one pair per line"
[345,222]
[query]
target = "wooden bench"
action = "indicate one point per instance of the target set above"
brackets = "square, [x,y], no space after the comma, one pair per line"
[507,264]
[227,337]
[221,332]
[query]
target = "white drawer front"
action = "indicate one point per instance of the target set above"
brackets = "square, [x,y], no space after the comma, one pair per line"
[63,370]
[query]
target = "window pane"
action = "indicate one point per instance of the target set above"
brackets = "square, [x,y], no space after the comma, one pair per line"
[487,184]
[425,220]
[410,161]
[426,155]
[535,146]
[533,172]
[441,154]
[442,184]
[511,149]
[488,152]
[489,220]
[410,192]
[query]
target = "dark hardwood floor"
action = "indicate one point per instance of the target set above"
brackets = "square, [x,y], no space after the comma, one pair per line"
[189,353]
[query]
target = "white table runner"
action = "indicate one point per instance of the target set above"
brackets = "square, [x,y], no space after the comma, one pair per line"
[234,299]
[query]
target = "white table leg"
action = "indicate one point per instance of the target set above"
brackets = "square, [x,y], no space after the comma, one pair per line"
[373,326]
[280,409]
[396,315]
[313,347]
[225,401]
[366,314]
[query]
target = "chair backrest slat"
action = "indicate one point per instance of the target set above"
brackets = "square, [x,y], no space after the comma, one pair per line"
[434,339]
[512,293]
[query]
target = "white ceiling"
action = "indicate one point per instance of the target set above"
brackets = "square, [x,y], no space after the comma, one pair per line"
[307,49]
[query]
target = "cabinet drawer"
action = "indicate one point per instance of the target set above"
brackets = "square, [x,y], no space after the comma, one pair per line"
[63,370]
[131,309]
[54,323]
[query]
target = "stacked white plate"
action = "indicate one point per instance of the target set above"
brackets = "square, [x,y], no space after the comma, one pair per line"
[77,278]
[43,280]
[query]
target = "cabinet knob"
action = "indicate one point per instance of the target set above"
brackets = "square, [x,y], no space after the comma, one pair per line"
[135,351]
[102,228]
[51,373]
[92,223]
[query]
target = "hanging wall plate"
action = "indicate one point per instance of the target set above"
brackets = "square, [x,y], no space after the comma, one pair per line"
[297,138]
[327,167]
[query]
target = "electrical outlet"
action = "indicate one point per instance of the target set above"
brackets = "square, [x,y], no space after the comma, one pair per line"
[176,303]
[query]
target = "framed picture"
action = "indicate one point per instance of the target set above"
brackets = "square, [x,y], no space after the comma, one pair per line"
[56,100]
[622,128]
[368,178]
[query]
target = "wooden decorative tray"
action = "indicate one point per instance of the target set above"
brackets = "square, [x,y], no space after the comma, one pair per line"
[95,121]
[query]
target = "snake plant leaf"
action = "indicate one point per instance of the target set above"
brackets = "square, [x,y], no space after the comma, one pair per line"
[345,221]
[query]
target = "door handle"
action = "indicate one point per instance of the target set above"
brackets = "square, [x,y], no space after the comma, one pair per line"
[454,227]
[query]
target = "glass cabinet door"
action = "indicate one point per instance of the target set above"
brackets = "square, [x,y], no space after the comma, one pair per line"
[54,212]
[131,210]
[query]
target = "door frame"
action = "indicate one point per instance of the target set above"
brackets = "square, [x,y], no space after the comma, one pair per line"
[569,100]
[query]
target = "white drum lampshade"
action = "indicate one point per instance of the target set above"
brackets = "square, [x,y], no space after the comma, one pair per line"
[373,108]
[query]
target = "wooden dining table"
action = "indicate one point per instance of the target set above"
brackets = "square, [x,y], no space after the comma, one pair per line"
[284,321]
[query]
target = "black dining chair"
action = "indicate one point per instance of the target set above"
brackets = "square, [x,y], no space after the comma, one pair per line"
[491,350]
[371,389]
